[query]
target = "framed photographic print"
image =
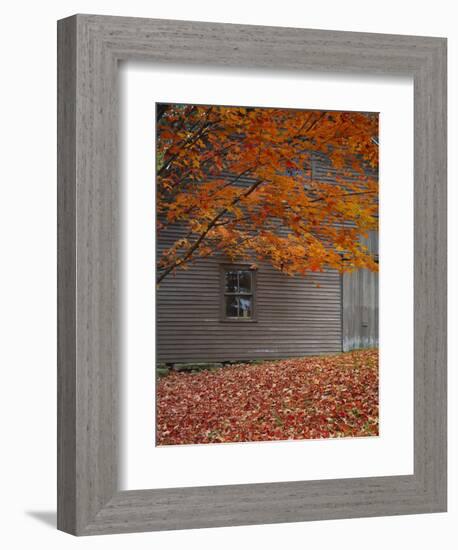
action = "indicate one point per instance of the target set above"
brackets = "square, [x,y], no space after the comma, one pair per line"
[252,275]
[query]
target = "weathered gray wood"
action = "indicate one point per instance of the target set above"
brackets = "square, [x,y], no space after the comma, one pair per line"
[293,316]
[89,49]
[360,299]
[66,276]
[88,355]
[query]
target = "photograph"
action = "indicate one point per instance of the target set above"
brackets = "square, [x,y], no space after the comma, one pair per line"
[266,274]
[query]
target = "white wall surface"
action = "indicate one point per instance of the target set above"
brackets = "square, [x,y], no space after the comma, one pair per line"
[28,272]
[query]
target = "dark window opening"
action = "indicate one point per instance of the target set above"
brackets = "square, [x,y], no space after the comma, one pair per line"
[238,293]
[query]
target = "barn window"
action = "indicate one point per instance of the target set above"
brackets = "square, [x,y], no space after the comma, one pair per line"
[238,290]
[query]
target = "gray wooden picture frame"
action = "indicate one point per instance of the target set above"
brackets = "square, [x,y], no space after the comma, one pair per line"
[89,49]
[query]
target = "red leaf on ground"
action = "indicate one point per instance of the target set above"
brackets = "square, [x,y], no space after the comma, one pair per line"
[302,398]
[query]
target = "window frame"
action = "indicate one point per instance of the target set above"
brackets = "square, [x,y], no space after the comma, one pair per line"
[222,309]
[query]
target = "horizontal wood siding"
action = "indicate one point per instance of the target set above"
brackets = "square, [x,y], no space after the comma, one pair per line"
[294,316]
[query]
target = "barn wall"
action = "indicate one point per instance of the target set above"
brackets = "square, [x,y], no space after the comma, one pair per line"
[360,309]
[294,316]
[317,314]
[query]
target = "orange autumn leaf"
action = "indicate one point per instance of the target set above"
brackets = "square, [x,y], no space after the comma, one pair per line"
[241,181]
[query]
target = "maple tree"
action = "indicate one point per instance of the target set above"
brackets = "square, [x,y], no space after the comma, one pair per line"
[303,398]
[239,181]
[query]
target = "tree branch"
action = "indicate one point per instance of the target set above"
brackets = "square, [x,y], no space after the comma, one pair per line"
[210,226]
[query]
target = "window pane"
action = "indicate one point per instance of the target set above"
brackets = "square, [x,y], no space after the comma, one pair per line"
[231,306]
[245,306]
[245,281]
[231,281]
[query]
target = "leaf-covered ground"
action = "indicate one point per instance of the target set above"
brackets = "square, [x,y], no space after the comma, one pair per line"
[304,398]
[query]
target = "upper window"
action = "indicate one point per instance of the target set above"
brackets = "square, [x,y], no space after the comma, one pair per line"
[238,293]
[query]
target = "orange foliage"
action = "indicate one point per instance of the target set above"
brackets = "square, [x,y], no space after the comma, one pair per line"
[280,214]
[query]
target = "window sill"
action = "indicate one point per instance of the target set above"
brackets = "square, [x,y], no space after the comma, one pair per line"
[226,320]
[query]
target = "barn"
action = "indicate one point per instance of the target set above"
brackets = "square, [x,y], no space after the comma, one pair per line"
[218,311]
